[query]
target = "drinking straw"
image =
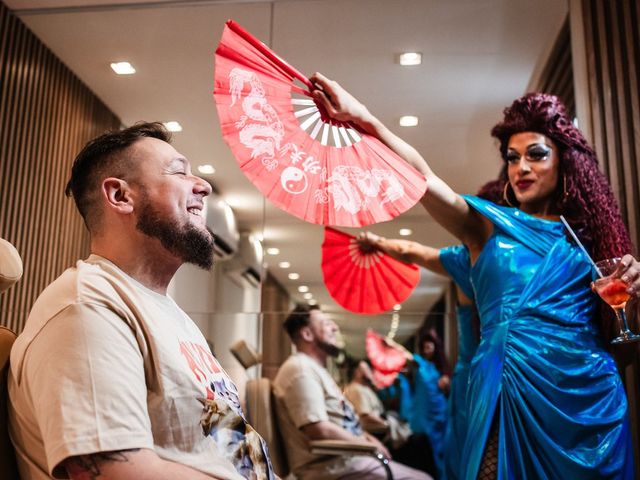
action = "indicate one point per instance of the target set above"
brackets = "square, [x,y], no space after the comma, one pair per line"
[575,237]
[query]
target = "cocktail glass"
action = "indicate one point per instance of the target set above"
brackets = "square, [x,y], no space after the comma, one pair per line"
[613,290]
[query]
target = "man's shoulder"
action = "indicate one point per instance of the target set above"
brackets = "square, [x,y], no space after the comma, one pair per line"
[83,283]
[297,364]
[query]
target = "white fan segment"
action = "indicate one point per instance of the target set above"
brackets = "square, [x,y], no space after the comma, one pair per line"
[307,113]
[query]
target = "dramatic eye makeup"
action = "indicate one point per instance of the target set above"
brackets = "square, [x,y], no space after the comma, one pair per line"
[538,152]
[534,153]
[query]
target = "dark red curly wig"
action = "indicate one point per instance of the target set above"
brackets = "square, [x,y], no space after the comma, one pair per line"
[588,202]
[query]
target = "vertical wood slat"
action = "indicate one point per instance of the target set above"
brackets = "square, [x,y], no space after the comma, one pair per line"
[46,115]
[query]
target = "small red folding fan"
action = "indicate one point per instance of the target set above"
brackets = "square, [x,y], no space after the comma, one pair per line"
[384,358]
[318,169]
[364,282]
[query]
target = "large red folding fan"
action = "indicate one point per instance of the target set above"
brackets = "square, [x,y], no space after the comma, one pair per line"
[364,281]
[320,170]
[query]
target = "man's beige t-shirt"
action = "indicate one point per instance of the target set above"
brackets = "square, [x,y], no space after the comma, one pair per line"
[363,399]
[107,364]
[305,393]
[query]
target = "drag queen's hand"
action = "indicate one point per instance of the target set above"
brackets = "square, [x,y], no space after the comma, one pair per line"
[629,272]
[338,103]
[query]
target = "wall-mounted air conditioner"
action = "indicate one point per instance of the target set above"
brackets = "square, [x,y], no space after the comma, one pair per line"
[222,222]
[245,268]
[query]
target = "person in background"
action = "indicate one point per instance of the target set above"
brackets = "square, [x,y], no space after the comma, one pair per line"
[311,406]
[110,379]
[545,335]
[405,446]
[429,415]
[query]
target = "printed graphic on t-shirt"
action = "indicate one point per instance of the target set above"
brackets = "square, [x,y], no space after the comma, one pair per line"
[350,420]
[222,416]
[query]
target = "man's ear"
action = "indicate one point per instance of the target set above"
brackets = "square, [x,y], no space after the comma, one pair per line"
[117,194]
[306,334]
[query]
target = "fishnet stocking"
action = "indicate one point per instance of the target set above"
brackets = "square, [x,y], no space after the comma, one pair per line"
[489,465]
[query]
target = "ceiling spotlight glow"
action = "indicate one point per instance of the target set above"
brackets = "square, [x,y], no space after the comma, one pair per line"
[312,302]
[408,121]
[206,169]
[284,264]
[405,232]
[123,68]
[173,126]
[273,251]
[410,58]
[303,289]
[294,276]
[308,296]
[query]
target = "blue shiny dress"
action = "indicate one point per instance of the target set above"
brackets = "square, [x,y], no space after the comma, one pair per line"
[541,369]
[429,414]
[456,262]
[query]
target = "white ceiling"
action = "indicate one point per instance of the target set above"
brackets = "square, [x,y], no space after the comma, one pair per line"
[478,55]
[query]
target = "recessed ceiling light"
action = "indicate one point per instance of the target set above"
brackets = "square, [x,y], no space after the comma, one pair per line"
[123,68]
[173,126]
[294,276]
[284,264]
[410,58]
[405,232]
[408,121]
[273,251]
[303,289]
[312,302]
[308,296]
[397,307]
[206,169]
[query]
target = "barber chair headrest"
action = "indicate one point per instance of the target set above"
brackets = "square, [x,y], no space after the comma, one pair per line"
[245,354]
[10,265]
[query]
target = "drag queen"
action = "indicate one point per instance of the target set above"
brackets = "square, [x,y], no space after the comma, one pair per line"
[545,397]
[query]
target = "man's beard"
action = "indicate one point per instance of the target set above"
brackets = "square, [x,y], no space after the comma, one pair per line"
[328,348]
[188,242]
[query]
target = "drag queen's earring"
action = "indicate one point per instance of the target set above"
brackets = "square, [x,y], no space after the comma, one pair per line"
[505,195]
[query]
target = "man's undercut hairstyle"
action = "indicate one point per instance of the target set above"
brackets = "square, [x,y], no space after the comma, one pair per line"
[299,318]
[104,157]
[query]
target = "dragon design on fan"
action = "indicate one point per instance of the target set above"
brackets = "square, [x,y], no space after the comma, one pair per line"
[352,187]
[264,134]
[260,129]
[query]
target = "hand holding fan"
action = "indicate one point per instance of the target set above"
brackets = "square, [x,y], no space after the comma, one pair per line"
[318,169]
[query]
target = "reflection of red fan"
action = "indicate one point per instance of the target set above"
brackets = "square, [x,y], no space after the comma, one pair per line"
[383,380]
[364,282]
[383,357]
[317,169]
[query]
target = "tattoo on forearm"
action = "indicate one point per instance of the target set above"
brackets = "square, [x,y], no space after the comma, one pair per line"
[88,467]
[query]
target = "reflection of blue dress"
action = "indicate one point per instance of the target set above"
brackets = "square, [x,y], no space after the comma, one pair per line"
[429,415]
[541,367]
[455,261]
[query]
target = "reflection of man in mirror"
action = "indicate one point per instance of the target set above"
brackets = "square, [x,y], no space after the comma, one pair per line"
[311,406]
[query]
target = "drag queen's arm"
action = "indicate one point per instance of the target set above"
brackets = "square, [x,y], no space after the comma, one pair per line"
[447,207]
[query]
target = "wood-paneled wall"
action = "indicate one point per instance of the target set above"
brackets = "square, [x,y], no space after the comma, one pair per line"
[46,115]
[557,76]
[275,307]
[605,42]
